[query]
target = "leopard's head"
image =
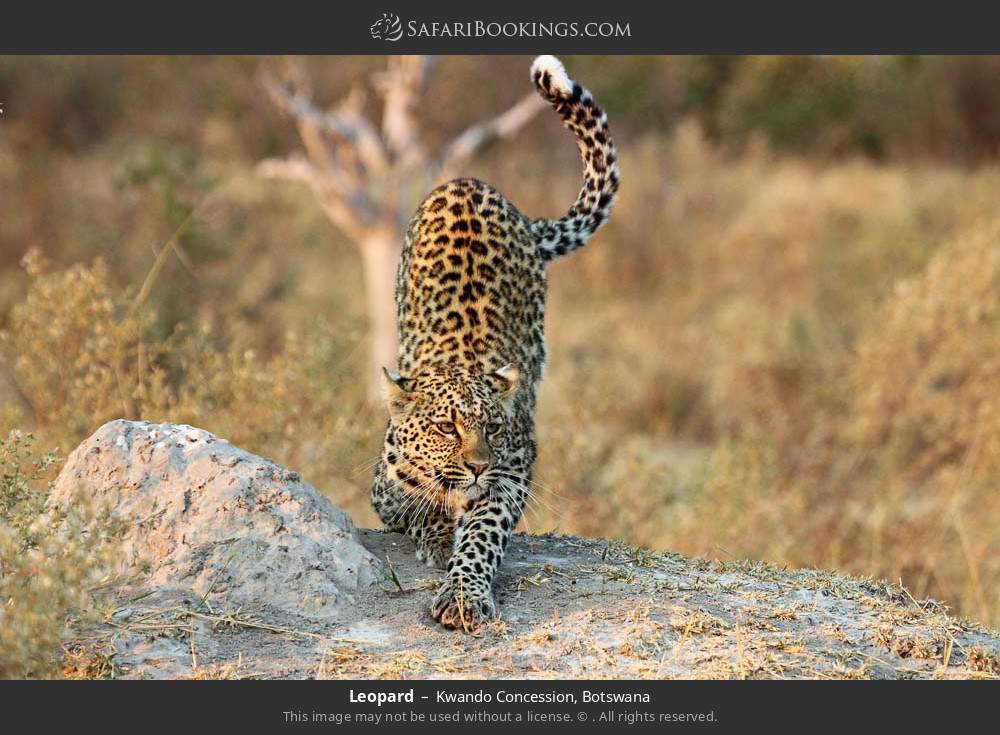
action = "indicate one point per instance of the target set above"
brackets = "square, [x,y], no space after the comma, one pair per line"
[449,435]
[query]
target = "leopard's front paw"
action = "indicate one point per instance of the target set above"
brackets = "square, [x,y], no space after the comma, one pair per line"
[433,555]
[462,609]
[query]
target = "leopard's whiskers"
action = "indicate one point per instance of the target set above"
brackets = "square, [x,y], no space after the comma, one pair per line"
[366,465]
[534,499]
[425,493]
[414,497]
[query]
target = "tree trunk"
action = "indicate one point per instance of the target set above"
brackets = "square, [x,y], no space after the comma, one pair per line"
[380,252]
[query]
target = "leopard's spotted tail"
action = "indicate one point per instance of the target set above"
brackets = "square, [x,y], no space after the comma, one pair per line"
[589,123]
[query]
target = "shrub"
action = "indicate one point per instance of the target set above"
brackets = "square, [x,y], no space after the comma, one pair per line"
[85,352]
[926,376]
[49,563]
[81,354]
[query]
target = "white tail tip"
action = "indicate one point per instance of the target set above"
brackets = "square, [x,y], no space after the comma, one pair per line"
[557,72]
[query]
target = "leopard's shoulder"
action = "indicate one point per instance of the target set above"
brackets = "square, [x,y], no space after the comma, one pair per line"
[471,285]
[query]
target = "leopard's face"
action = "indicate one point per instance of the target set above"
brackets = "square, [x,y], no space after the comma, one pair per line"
[449,433]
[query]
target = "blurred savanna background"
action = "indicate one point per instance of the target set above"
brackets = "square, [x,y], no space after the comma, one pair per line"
[785,344]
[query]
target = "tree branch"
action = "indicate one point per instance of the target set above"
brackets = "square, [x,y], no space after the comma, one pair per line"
[465,145]
[347,122]
[401,86]
[297,168]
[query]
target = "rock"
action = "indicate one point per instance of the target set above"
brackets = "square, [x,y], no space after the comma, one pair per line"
[212,521]
[253,573]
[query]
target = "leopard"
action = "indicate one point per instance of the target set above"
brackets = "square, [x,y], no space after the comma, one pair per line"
[455,471]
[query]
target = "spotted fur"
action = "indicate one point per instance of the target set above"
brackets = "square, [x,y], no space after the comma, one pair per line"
[470,296]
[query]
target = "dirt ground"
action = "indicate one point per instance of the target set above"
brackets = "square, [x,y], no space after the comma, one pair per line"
[234,567]
[571,608]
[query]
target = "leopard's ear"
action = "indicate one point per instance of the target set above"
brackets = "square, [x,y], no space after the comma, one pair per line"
[509,374]
[395,391]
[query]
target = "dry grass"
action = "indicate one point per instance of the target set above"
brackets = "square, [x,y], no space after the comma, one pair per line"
[810,377]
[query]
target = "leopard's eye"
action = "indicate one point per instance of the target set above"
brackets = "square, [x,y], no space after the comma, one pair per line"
[446,427]
[493,428]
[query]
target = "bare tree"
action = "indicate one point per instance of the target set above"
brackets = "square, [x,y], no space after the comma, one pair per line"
[367,175]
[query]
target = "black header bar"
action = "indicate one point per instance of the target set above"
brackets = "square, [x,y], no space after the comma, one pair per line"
[514,26]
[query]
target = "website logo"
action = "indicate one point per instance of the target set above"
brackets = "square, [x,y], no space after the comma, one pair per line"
[387,28]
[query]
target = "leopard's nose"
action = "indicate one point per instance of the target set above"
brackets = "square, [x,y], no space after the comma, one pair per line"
[477,468]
